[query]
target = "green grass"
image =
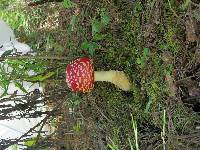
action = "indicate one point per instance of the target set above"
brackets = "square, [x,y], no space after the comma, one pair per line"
[11,11]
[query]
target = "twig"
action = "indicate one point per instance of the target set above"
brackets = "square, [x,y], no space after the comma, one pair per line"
[193,99]
[54,110]
[24,135]
[163,134]
[34,57]
[44,122]
[170,6]
[41,124]
[186,78]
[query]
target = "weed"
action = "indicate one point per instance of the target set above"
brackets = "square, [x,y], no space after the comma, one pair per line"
[113,146]
[90,47]
[163,133]
[141,61]
[14,147]
[135,129]
[77,127]
[68,4]
[75,100]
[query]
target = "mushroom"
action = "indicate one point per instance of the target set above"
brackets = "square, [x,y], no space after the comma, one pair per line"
[80,76]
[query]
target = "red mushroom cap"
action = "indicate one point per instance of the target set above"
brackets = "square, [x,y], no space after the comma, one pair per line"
[80,75]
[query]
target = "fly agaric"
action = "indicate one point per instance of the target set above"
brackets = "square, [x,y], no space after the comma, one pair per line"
[80,76]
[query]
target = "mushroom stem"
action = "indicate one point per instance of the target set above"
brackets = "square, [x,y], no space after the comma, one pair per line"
[118,78]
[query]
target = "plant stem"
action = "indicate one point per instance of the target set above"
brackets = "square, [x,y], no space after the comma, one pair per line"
[34,57]
[118,78]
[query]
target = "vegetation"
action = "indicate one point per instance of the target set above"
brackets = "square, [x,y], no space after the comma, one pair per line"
[150,40]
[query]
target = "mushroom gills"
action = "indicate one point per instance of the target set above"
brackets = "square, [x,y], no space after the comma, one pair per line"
[118,78]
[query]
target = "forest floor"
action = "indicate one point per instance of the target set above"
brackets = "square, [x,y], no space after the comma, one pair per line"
[155,42]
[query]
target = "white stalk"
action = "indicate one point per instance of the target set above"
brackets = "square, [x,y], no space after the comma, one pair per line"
[118,78]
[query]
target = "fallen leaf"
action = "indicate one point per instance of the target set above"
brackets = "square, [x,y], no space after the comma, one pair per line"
[197,55]
[167,57]
[171,85]
[190,31]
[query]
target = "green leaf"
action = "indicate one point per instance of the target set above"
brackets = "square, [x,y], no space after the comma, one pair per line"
[72,23]
[98,24]
[85,45]
[96,27]
[20,86]
[77,127]
[185,4]
[15,62]
[90,46]
[68,4]
[14,147]
[168,69]
[39,78]
[4,86]
[31,142]
[74,99]
[105,19]
[145,52]
[148,105]
[99,36]
[138,60]
[6,53]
